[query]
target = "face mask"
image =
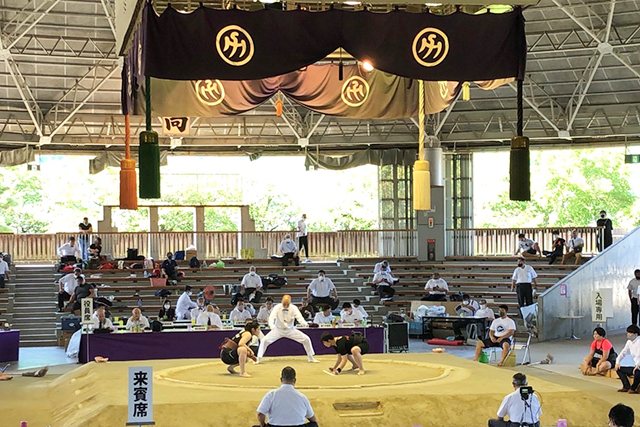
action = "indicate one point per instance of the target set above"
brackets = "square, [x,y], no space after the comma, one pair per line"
[630,337]
[189,293]
[321,278]
[288,240]
[503,314]
[170,257]
[483,306]
[167,306]
[602,215]
[465,302]
[521,265]
[253,273]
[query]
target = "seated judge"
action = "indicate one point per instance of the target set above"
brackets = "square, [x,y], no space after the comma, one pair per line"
[209,318]
[137,321]
[101,323]
[324,317]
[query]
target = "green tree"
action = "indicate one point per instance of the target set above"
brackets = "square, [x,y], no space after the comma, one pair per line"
[21,199]
[568,191]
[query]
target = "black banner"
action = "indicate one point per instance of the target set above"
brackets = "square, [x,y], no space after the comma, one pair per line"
[242,45]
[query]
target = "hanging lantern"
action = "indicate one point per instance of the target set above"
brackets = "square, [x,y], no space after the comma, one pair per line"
[128,193]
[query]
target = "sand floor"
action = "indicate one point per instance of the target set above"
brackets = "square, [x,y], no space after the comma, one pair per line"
[399,390]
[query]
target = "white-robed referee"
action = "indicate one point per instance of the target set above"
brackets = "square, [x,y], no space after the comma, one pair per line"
[286,406]
[281,321]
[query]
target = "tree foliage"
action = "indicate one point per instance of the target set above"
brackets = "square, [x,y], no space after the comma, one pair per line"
[568,191]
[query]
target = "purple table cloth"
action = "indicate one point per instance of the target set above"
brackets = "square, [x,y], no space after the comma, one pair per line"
[9,346]
[203,344]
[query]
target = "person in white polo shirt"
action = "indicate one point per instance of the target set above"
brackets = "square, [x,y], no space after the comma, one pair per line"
[574,248]
[522,408]
[265,311]
[523,277]
[286,406]
[66,286]
[137,321]
[70,251]
[251,284]
[324,317]
[632,348]
[437,288]
[634,297]
[500,333]
[209,318]
[321,291]
[4,271]
[240,314]
[289,250]
[527,247]
[302,236]
[349,315]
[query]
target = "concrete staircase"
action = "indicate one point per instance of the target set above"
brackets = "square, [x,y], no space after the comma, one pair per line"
[34,308]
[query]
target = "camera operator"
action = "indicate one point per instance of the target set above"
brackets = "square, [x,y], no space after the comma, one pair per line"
[522,406]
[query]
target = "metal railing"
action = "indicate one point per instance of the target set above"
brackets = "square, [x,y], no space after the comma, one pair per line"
[216,245]
[504,241]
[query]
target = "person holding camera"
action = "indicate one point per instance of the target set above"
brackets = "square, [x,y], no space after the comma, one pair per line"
[522,406]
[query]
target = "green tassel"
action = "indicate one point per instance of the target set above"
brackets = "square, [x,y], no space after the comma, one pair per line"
[149,159]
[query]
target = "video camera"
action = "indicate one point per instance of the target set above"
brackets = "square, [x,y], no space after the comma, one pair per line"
[526,392]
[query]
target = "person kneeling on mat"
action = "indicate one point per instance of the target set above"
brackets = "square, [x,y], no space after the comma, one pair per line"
[349,347]
[236,351]
[522,406]
[500,333]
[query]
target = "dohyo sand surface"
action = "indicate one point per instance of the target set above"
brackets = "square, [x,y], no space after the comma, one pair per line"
[398,390]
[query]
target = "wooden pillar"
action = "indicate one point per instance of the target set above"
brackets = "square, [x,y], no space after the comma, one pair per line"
[107,220]
[199,237]
[247,239]
[154,238]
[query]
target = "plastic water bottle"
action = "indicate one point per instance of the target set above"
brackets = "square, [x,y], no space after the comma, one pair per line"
[139,302]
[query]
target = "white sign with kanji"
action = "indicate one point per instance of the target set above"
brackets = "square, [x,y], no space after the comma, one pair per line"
[601,305]
[86,310]
[140,396]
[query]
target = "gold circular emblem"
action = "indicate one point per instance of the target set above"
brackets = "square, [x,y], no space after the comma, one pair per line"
[234,45]
[210,92]
[430,47]
[355,91]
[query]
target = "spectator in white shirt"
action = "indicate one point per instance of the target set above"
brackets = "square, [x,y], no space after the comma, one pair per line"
[251,284]
[468,308]
[249,307]
[66,286]
[185,304]
[321,291]
[349,315]
[137,321]
[356,306]
[302,236]
[289,250]
[484,311]
[634,297]
[265,311]
[324,317]
[378,267]
[500,333]
[209,318]
[521,412]
[239,314]
[195,312]
[621,416]
[523,277]
[286,406]
[4,271]
[69,252]
[101,321]
[632,347]
[383,281]
[527,247]
[282,321]
[437,288]
[575,245]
